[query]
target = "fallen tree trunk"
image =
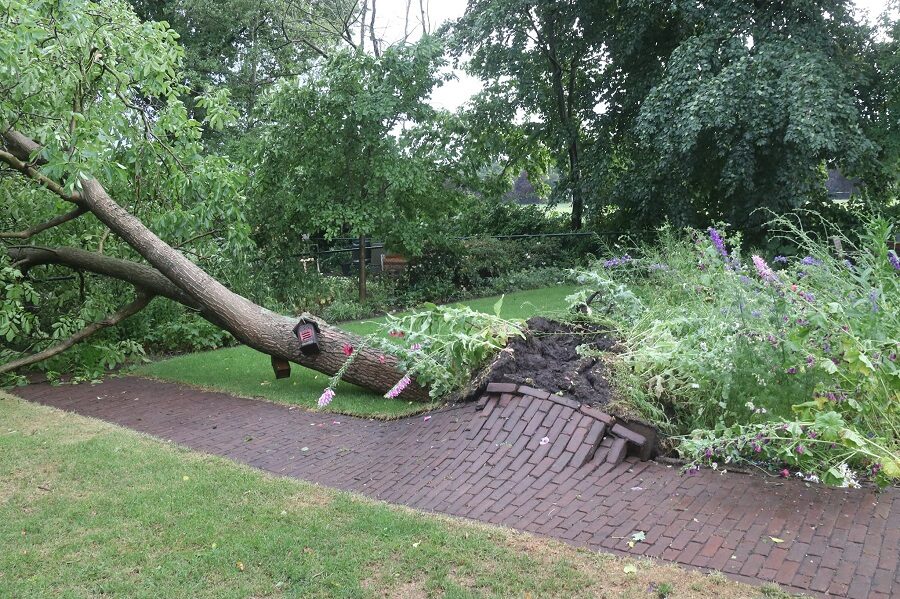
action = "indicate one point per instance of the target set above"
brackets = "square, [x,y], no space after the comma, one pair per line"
[172,275]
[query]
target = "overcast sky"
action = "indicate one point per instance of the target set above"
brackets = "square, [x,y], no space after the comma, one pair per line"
[391,16]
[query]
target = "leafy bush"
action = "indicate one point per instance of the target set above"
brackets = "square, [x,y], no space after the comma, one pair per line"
[734,350]
[443,345]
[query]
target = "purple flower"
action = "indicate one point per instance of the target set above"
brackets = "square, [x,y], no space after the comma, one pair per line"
[808,296]
[708,453]
[810,261]
[873,298]
[756,448]
[810,360]
[397,389]
[792,370]
[326,397]
[658,266]
[894,260]
[614,262]
[744,279]
[780,259]
[801,449]
[755,313]
[415,346]
[718,242]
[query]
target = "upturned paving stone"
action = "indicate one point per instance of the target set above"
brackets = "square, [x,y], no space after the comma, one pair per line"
[487,466]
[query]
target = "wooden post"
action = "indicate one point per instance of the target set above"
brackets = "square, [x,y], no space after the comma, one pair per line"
[362,269]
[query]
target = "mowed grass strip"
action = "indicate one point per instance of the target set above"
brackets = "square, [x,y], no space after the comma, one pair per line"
[248,373]
[90,509]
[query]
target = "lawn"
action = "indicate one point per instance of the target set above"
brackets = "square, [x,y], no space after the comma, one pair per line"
[248,373]
[89,509]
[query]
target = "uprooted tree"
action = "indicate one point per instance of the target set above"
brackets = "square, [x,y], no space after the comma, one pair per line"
[90,93]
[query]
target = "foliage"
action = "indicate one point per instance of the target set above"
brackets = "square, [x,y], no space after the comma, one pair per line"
[745,112]
[483,216]
[737,342]
[536,58]
[247,45]
[443,345]
[352,150]
[103,93]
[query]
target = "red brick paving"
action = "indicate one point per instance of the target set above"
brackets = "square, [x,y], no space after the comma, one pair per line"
[490,466]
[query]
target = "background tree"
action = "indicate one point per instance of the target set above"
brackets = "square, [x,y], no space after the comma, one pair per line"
[539,66]
[748,109]
[355,150]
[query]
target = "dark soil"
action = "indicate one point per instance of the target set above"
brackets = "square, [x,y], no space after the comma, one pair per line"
[547,359]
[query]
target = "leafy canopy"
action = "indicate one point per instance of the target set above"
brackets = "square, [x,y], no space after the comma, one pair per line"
[355,149]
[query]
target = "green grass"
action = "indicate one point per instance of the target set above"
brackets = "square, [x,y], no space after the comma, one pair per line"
[90,509]
[246,372]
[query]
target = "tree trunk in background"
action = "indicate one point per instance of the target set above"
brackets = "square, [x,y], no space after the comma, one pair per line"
[362,269]
[575,178]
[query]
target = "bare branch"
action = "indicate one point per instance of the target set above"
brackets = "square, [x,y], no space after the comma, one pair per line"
[53,222]
[113,319]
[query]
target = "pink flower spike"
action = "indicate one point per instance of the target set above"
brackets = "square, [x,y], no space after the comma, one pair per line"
[765,273]
[397,389]
[326,397]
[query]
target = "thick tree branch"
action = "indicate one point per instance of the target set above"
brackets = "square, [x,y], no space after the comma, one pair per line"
[111,320]
[53,222]
[35,175]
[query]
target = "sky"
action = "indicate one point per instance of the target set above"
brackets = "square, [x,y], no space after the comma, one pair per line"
[391,17]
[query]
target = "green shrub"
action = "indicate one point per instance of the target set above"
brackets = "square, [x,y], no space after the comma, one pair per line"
[728,350]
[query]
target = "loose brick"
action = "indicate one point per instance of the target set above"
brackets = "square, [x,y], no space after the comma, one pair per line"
[565,400]
[617,451]
[539,393]
[502,388]
[628,434]
[598,414]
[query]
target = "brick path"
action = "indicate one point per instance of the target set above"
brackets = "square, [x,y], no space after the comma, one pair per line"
[490,466]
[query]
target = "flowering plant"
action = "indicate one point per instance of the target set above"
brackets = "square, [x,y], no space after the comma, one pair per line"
[793,337]
[443,345]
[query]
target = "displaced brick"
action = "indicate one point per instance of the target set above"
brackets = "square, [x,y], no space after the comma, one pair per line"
[599,415]
[629,435]
[617,451]
[502,388]
[564,400]
[540,393]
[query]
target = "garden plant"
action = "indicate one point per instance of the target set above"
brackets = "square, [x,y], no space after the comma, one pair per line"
[789,363]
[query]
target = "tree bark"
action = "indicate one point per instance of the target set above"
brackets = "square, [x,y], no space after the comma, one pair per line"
[172,275]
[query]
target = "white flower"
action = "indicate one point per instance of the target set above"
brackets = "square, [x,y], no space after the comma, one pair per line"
[714,466]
